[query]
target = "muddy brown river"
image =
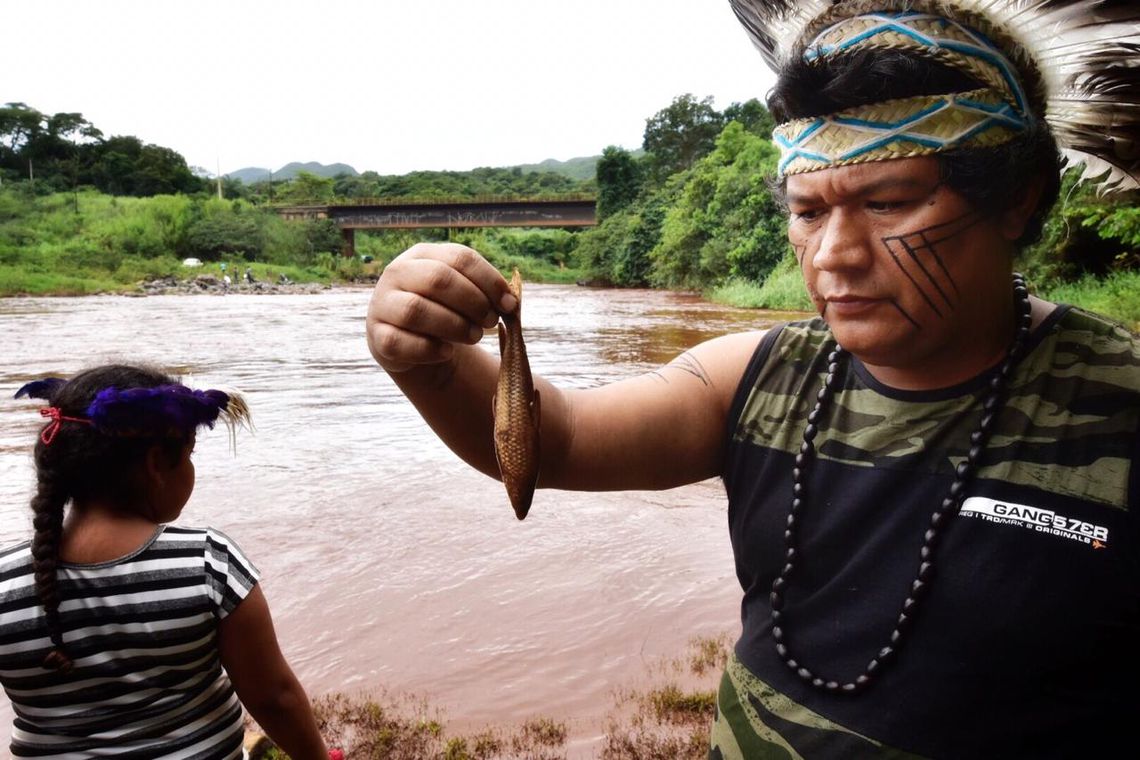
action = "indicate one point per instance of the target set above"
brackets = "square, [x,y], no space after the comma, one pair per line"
[388,563]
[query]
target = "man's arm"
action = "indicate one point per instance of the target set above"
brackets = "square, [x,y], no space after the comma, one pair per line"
[658,430]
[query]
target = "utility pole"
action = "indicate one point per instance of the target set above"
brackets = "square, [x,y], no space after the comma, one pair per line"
[218,166]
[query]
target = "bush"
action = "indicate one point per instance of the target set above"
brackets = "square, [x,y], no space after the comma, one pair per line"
[220,235]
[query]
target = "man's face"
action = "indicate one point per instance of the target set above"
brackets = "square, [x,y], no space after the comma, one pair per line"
[901,267]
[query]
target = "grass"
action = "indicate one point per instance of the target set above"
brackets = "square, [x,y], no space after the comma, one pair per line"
[19,281]
[1116,296]
[668,718]
[782,290]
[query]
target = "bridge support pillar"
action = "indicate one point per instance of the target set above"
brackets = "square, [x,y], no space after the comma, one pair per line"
[348,242]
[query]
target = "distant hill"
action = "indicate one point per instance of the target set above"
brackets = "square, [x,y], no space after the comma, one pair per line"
[581,168]
[253,174]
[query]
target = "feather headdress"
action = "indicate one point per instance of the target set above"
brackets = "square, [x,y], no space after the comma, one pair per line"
[1078,62]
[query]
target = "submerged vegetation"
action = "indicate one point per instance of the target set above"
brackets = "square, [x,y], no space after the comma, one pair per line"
[666,718]
[671,717]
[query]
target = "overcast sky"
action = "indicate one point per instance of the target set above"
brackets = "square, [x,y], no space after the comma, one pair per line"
[387,85]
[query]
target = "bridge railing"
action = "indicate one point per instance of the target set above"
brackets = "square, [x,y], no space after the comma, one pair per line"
[444,200]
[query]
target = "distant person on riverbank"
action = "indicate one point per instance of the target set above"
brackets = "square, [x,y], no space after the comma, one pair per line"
[121,633]
[933,485]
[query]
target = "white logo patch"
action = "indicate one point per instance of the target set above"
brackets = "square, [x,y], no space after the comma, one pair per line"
[1036,519]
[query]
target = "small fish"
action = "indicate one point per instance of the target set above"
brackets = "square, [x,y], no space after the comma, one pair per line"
[516,410]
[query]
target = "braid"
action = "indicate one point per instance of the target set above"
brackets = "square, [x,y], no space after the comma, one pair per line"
[81,464]
[47,505]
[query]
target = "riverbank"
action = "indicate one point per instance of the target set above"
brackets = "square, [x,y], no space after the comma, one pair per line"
[1116,296]
[208,284]
[667,713]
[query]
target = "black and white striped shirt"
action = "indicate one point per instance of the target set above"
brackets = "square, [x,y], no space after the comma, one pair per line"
[142,631]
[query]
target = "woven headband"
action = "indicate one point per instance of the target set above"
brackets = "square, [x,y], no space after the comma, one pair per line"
[896,129]
[907,127]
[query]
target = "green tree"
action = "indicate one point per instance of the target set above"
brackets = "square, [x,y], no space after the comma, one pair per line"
[59,149]
[361,186]
[619,180]
[725,222]
[19,125]
[124,165]
[618,250]
[307,188]
[67,150]
[163,171]
[323,236]
[753,115]
[632,264]
[679,134]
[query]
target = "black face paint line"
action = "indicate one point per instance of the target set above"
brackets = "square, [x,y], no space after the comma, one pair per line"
[918,251]
[906,316]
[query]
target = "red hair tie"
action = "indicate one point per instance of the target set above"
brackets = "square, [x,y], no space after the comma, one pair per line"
[57,420]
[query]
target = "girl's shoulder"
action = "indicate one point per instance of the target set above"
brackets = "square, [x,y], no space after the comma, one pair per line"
[200,534]
[208,541]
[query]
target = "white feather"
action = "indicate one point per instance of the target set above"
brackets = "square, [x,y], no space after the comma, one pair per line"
[1082,55]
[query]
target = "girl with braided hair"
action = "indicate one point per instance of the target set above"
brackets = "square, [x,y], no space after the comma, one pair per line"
[121,633]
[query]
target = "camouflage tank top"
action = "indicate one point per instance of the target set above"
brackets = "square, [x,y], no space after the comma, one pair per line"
[1027,643]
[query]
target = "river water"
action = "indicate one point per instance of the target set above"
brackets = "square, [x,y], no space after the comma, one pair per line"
[388,563]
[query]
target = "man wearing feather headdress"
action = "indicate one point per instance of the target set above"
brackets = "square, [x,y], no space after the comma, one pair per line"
[934,486]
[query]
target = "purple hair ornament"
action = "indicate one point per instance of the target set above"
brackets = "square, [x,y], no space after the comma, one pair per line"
[165,409]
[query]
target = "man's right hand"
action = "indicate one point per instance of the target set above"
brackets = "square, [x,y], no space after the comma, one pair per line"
[429,298]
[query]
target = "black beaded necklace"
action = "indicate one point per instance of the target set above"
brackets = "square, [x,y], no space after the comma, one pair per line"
[950,506]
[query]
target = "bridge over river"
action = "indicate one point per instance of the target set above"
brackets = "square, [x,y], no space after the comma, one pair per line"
[480,211]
